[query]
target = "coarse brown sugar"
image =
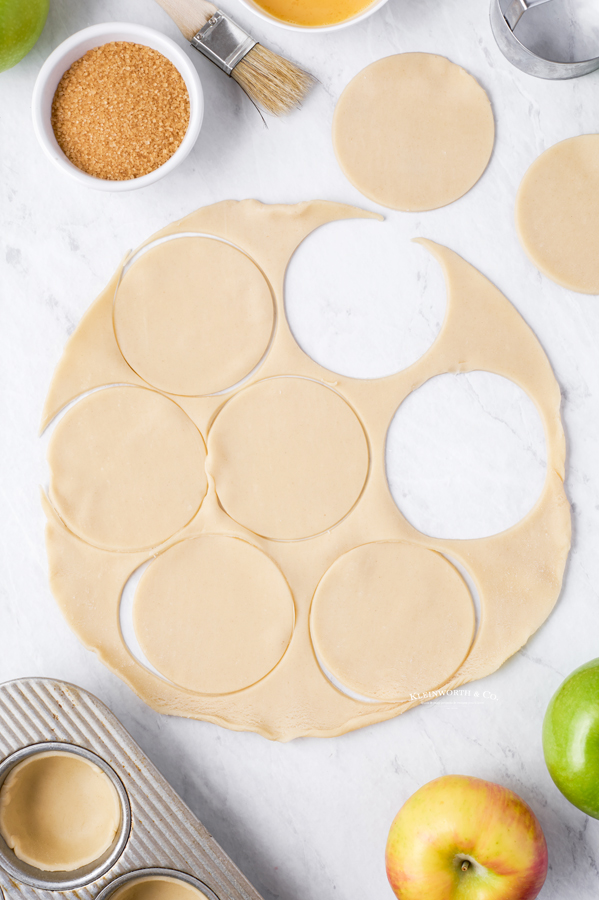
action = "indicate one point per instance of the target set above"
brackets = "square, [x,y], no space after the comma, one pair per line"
[120,111]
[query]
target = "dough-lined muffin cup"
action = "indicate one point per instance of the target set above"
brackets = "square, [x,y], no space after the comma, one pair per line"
[75,878]
[123,887]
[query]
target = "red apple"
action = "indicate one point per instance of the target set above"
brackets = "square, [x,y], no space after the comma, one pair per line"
[461,838]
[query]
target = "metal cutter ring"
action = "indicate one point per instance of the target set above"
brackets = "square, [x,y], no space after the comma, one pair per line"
[503,25]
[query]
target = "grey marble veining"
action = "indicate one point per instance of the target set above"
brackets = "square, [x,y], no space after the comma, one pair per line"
[309,819]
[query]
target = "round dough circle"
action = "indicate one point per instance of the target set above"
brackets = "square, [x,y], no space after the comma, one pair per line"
[557,213]
[58,811]
[126,468]
[213,614]
[275,451]
[413,132]
[157,887]
[392,619]
[193,316]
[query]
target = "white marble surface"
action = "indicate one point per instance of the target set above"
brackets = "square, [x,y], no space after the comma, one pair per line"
[309,819]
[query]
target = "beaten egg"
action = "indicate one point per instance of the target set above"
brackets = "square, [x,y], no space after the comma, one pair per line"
[313,13]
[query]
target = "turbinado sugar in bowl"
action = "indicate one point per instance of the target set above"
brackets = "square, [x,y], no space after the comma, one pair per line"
[120,111]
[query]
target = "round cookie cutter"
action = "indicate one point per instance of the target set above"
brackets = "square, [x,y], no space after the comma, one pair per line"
[66,881]
[139,874]
[503,26]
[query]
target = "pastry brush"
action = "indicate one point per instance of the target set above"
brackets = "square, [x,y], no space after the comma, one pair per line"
[270,81]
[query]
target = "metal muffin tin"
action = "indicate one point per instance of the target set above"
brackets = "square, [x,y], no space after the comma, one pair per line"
[159,835]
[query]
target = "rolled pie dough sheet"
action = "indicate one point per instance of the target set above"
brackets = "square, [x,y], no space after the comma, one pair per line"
[213,614]
[127,468]
[58,812]
[517,573]
[193,316]
[557,213]
[413,131]
[398,598]
[289,458]
[157,888]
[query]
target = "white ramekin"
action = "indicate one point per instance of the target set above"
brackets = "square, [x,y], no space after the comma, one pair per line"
[74,48]
[262,14]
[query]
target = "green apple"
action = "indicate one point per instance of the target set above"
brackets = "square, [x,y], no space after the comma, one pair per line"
[21,23]
[461,838]
[571,738]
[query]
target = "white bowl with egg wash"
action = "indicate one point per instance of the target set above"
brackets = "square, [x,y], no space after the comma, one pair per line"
[352,20]
[76,46]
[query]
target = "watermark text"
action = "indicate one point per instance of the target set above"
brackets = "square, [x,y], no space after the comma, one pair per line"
[456,692]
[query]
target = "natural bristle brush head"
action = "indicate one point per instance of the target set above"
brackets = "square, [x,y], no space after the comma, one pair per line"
[269,80]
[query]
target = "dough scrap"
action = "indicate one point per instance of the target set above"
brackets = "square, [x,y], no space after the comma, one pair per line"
[413,131]
[127,468]
[397,598]
[274,454]
[193,316]
[557,213]
[517,573]
[213,614]
[58,811]
[157,887]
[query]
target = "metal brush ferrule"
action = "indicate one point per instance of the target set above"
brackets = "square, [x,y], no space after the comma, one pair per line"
[223,42]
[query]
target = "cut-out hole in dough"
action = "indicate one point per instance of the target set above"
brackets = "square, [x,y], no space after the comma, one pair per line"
[392,619]
[471,585]
[126,620]
[339,684]
[289,458]
[466,455]
[126,468]
[363,301]
[193,316]
[213,614]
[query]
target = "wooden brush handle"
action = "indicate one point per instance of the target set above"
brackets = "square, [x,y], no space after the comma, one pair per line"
[188,15]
